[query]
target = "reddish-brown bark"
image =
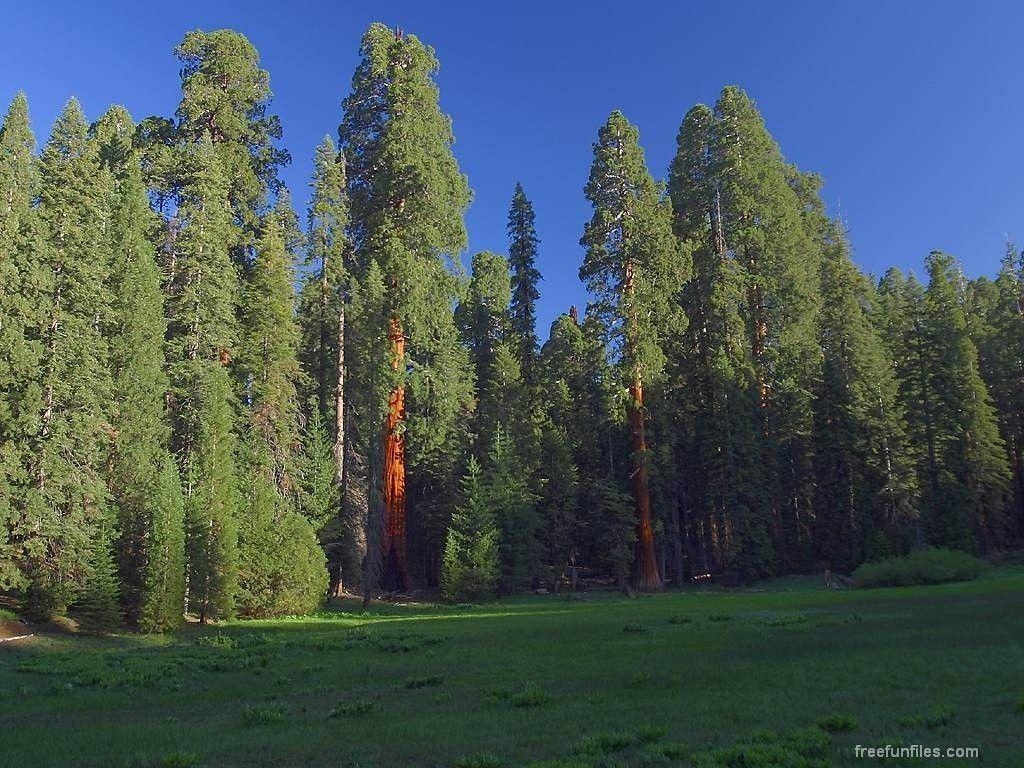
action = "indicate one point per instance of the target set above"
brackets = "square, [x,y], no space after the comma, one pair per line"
[645,564]
[396,573]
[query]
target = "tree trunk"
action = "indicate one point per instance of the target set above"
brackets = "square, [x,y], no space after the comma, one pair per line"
[396,573]
[645,564]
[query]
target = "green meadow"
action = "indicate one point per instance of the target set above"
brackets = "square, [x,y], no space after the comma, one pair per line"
[786,675]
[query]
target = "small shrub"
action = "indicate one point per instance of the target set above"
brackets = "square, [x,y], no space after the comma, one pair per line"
[648,734]
[640,679]
[605,743]
[431,681]
[479,760]
[804,748]
[530,696]
[923,566]
[357,708]
[719,617]
[263,714]
[180,760]
[218,640]
[933,719]
[634,628]
[1020,706]
[678,619]
[838,724]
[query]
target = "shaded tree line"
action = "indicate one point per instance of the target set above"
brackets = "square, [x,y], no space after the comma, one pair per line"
[210,408]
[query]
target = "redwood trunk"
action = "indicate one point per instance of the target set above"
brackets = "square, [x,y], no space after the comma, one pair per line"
[645,564]
[396,572]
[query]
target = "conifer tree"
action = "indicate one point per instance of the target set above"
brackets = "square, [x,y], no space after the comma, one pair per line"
[407,201]
[866,483]
[1001,352]
[634,267]
[763,228]
[470,568]
[968,500]
[277,575]
[712,363]
[203,332]
[97,608]
[212,499]
[522,256]
[24,289]
[67,501]
[143,479]
[225,101]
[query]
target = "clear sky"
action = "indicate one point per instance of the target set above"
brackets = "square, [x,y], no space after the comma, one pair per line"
[912,111]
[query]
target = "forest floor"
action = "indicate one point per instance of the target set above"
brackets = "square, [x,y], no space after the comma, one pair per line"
[587,680]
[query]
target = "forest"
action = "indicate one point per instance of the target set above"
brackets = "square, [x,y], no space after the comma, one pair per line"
[214,404]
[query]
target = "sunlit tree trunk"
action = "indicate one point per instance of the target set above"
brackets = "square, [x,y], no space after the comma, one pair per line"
[396,574]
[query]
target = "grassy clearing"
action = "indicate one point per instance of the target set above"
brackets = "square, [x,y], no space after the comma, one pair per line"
[780,676]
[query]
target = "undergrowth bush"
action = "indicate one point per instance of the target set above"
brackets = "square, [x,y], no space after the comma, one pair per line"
[923,566]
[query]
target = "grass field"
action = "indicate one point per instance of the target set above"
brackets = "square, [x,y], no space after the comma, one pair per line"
[597,680]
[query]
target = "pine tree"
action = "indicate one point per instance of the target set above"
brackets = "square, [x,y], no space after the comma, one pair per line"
[866,481]
[521,257]
[514,507]
[67,501]
[407,201]
[142,478]
[97,607]
[225,101]
[203,331]
[763,228]
[470,568]
[634,267]
[24,288]
[276,575]
[967,507]
[212,500]
[716,394]
[1001,361]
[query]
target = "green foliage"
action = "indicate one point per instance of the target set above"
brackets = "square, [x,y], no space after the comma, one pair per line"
[838,724]
[23,309]
[66,500]
[480,760]
[522,255]
[97,608]
[470,567]
[212,501]
[263,714]
[354,708]
[922,566]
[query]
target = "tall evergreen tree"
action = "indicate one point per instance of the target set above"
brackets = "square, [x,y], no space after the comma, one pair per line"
[67,503]
[763,228]
[277,575]
[967,507]
[522,256]
[143,478]
[866,481]
[203,332]
[24,288]
[225,101]
[712,366]
[1001,352]
[407,200]
[634,267]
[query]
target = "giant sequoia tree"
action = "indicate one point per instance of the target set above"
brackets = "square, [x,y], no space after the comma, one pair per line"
[634,266]
[407,202]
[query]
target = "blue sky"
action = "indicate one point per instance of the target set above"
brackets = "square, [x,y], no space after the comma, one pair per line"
[912,111]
